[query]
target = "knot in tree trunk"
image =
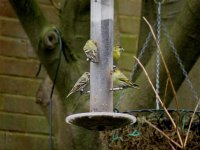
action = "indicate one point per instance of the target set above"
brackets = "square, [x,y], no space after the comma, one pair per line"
[51,40]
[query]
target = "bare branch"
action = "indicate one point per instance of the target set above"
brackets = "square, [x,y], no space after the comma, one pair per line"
[187,134]
[163,60]
[158,97]
[166,87]
[161,132]
[168,73]
[172,146]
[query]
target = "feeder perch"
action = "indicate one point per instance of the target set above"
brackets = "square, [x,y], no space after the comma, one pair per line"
[101,116]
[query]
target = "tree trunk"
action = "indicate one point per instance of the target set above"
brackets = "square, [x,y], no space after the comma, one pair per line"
[169,12]
[185,35]
[74,14]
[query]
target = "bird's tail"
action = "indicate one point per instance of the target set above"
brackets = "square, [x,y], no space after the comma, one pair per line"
[70,93]
[135,86]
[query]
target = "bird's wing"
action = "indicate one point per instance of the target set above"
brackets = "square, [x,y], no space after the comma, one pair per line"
[80,84]
[127,83]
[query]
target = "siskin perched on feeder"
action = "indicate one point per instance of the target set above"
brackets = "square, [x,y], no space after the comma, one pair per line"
[90,50]
[121,81]
[117,53]
[80,84]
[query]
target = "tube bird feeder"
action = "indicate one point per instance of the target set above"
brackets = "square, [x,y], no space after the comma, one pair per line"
[101,116]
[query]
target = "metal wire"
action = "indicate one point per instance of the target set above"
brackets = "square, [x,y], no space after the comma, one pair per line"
[142,51]
[146,43]
[194,92]
[52,90]
[160,110]
[171,44]
[158,54]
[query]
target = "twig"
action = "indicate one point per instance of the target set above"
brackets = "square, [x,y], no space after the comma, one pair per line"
[166,90]
[171,146]
[187,134]
[168,73]
[161,132]
[163,60]
[158,97]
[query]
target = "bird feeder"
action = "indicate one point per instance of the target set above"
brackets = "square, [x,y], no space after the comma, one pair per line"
[101,116]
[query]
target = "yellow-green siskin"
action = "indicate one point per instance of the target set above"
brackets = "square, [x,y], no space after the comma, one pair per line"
[121,81]
[90,50]
[116,54]
[80,84]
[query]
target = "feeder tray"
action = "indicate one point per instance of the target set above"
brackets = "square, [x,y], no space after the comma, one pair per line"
[100,121]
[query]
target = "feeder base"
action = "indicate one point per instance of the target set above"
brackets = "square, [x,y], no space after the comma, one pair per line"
[100,121]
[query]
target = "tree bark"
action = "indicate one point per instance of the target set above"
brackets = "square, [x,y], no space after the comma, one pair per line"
[185,35]
[169,13]
[74,15]
[45,41]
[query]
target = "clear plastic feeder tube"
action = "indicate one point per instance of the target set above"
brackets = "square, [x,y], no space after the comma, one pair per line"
[101,31]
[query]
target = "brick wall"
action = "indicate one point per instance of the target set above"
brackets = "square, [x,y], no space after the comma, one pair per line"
[129,21]
[22,124]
